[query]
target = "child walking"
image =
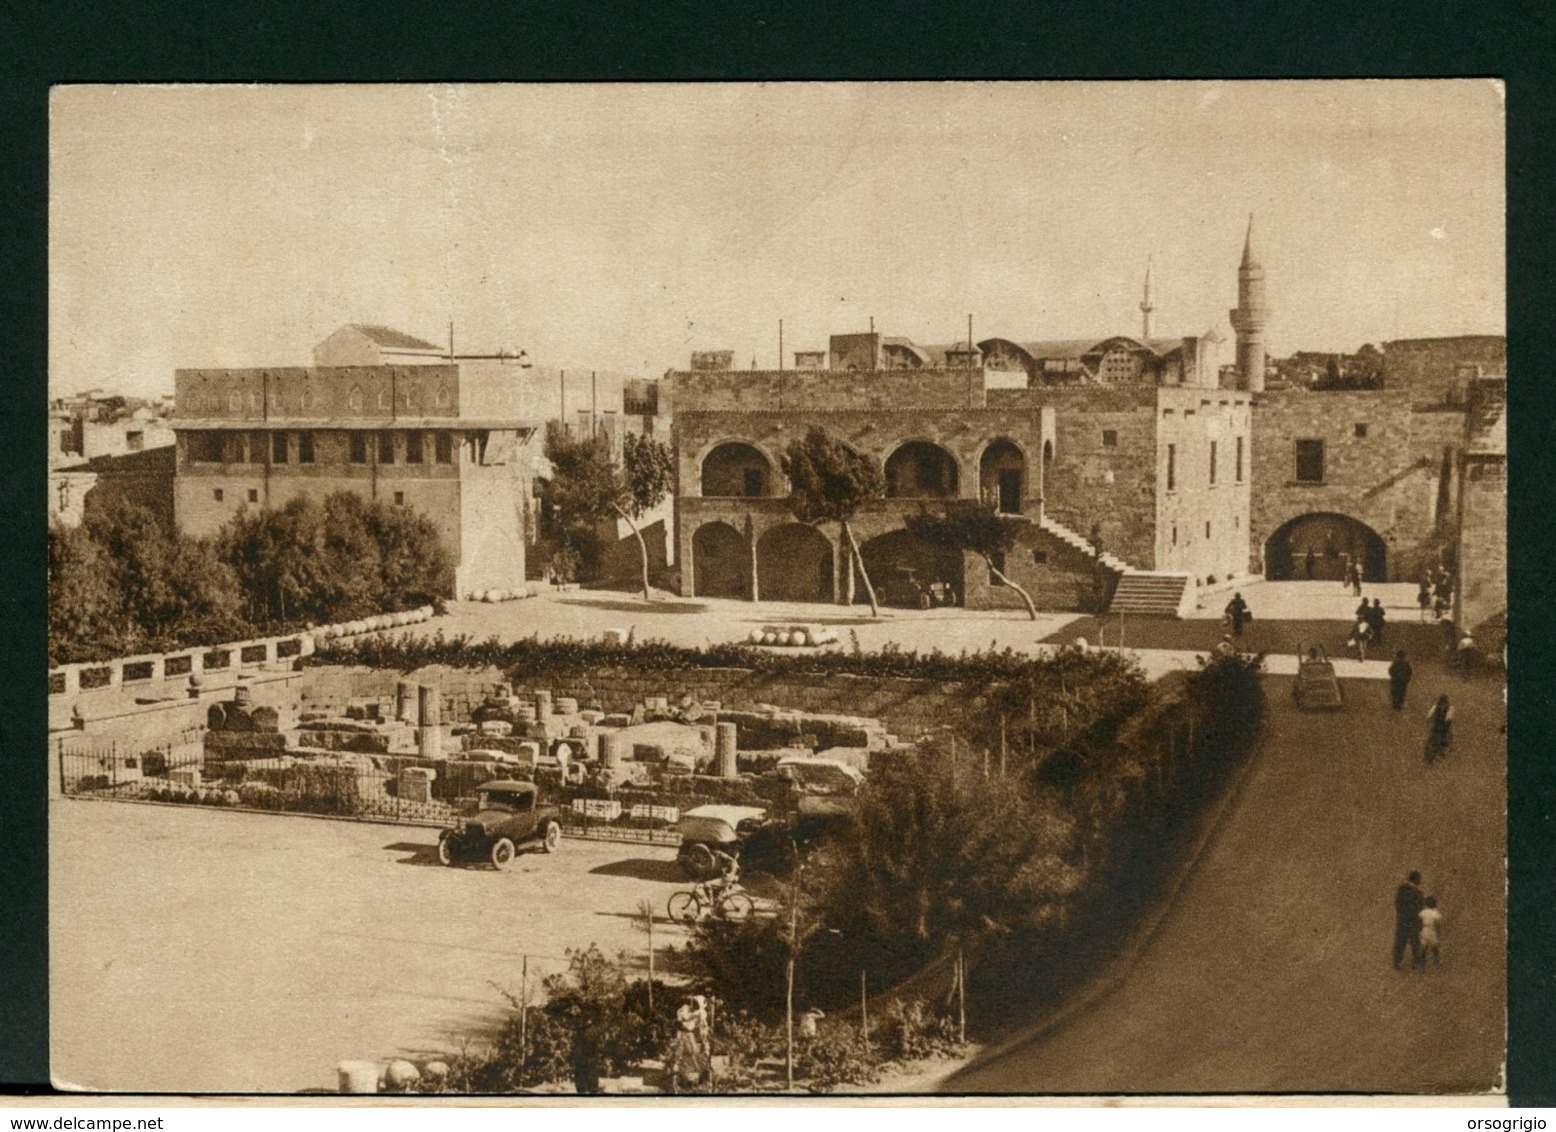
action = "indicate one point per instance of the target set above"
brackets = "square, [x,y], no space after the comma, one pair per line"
[1430,918]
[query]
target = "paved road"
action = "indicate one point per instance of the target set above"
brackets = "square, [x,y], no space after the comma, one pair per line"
[200,950]
[1271,972]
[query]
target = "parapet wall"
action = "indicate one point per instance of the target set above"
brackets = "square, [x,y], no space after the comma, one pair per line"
[771,391]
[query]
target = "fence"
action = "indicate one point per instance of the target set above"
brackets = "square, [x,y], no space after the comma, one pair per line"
[134,670]
[393,789]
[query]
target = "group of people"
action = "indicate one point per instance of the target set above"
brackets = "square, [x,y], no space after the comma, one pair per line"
[1368,630]
[1416,921]
[691,1050]
[1435,593]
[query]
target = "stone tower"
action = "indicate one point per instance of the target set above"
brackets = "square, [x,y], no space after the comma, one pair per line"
[1147,305]
[1250,317]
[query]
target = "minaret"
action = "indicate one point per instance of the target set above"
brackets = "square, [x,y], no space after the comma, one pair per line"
[1146,305]
[1250,317]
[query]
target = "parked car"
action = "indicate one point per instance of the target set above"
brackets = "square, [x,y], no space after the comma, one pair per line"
[904,589]
[508,814]
[709,828]
[1316,687]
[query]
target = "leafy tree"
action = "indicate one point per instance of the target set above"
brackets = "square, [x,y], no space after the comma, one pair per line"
[171,587]
[971,525]
[829,482]
[587,486]
[337,559]
[85,616]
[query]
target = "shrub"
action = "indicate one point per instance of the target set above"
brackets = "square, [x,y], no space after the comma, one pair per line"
[837,1055]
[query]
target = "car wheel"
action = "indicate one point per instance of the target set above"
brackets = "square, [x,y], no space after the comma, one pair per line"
[683,908]
[736,907]
[553,838]
[445,851]
[502,853]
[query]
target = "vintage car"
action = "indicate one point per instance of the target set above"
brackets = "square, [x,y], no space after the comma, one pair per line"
[508,814]
[707,829]
[1316,687]
[904,589]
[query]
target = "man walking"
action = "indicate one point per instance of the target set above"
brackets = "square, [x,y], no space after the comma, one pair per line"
[1375,618]
[1236,614]
[1408,902]
[1399,680]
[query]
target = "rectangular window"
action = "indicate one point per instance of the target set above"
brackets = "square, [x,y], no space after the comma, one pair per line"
[1310,461]
[1175,534]
[413,448]
[1212,463]
[279,450]
[1239,459]
[1207,528]
[135,441]
[233,449]
[204,448]
[218,494]
[399,499]
[257,448]
[996,562]
[253,495]
[443,448]
[1040,556]
[1360,431]
[1172,466]
[305,447]
[386,448]
[1110,438]
[359,447]
[65,440]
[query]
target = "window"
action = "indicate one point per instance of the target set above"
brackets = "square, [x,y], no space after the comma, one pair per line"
[218,494]
[413,448]
[1310,461]
[234,452]
[64,440]
[257,448]
[1110,438]
[204,448]
[134,441]
[253,495]
[279,452]
[358,448]
[443,448]
[1360,431]
[1239,459]
[386,448]
[305,448]
[1172,466]
[1175,534]
[399,499]
[1040,556]
[1207,528]
[1212,463]
[996,568]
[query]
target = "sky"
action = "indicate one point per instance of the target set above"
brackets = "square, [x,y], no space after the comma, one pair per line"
[621,227]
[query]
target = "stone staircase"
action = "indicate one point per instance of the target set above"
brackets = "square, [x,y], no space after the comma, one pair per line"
[1079,542]
[1152,595]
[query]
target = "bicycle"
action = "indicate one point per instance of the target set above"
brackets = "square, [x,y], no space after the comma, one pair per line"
[727,903]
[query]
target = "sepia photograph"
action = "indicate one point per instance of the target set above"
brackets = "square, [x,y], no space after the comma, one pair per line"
[765,590]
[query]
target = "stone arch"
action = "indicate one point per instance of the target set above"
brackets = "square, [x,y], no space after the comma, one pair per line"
[920,469]
[1002,475]
[721,562]
[1048,452]
[1332,537]
[901,567]
[794,563]
[735,469]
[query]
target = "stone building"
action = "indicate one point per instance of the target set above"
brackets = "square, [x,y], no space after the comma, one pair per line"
[1481,595]
[449,438]
[1159,471]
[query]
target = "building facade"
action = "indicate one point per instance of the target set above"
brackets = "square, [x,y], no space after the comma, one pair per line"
[448,439]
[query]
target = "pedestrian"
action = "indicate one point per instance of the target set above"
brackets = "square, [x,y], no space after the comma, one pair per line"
[1430,917]
[1361,636]
[1345,572]
[808,1020]
[1439,729]
[1440,605]
[1364,611]
[1236,614]
[1309,561]
[685,1063]
[1424,598]
[1408,903]
[1399,680]
[1356,577]
[1376,618]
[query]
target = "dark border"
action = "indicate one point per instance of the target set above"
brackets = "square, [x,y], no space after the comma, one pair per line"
[680,40]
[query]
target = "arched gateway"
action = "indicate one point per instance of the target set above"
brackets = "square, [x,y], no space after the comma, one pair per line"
[794,563]
[1319,545]
[721,562]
